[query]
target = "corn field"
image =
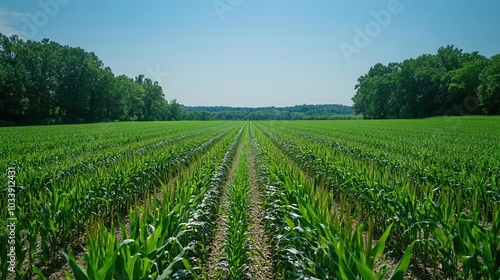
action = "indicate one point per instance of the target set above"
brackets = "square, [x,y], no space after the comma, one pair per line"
[354,199]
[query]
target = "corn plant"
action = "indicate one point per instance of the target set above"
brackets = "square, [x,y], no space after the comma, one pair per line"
[60,209]
[419,210]
[337,193]
[236,251]
[166,235]
[311,241]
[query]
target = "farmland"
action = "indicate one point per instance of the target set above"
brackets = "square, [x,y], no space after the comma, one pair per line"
[260,200]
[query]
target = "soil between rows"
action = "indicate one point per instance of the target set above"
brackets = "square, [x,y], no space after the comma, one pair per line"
[261,266]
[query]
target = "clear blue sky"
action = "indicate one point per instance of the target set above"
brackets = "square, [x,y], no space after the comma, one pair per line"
[256,52]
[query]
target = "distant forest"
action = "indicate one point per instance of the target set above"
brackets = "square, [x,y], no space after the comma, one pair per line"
[449,83]
[298,112]
[48,83]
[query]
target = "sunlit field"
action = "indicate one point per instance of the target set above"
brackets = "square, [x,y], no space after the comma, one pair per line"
[271,199]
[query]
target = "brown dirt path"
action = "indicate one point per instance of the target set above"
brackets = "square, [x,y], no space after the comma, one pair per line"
[261,262]
[215,250]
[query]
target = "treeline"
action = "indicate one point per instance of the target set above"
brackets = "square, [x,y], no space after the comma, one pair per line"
[298,112]
[46,83]
[450,82]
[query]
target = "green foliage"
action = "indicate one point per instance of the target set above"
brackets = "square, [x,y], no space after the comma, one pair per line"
[46,83]
[436,184]
[448,83]
[489,89]
[312,241]
[340,197]
[86,178]
[167,235]
[236,248]
[298,112]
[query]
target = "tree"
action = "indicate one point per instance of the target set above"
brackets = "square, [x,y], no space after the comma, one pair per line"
[13,79]
[489,88]
[44,82]
[450,57]
[175,111]
[376,93]
[155,106]
[39,60]
[448,83]
[127,102]
[73,93]
[459,87]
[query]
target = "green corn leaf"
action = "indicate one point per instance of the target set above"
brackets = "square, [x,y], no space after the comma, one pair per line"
[403,263]
[108,269]
[152,241]
[38,272]
[123,229]
[169,270]
[190,268]
[364,271]
[77,270]
[378,249]
[120,270]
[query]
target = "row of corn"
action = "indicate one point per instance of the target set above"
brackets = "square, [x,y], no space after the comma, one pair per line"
[311,240]
[236,248]
[56,214]
[428,165]
[166,234]
[457,234]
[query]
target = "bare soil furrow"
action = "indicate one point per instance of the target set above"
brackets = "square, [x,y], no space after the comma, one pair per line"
[215,250]
[262,267]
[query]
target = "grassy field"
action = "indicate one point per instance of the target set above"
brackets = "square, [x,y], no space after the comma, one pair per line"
[348,199]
